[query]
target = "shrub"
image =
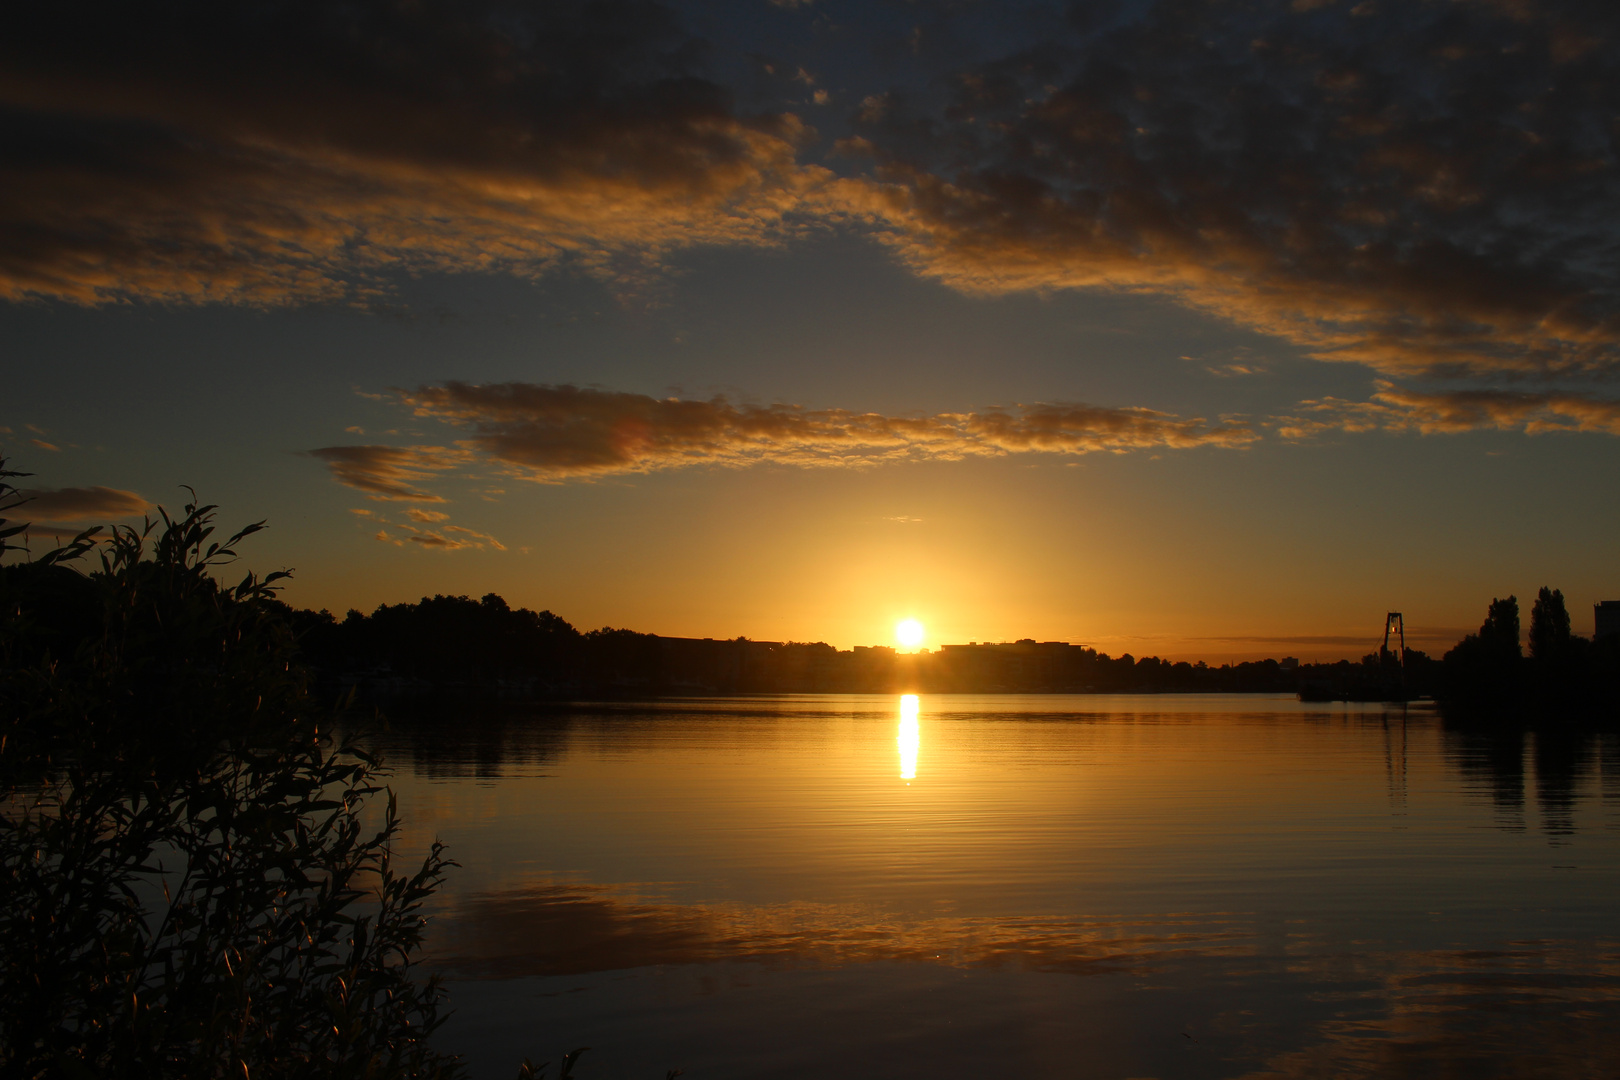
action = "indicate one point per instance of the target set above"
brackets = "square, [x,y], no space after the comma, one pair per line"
[192,886]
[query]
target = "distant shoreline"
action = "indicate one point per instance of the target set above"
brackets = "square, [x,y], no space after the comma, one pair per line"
[484,647]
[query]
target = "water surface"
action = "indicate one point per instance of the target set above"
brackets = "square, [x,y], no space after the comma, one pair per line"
[1029,886]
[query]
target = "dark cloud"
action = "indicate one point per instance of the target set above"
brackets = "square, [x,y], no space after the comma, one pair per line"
[271,151]
[1420,187]
[81,504]
[557,432]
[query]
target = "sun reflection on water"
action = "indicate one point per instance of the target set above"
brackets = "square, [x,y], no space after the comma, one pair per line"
[910,736]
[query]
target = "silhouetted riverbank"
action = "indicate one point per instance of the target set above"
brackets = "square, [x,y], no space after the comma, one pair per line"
[485,645]
[458,645]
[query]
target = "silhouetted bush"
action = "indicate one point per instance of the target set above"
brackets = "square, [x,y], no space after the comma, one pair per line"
[192,885]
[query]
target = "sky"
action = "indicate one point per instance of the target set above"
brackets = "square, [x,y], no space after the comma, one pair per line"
[1204,330]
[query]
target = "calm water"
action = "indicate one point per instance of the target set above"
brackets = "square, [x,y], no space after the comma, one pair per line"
[1021,887]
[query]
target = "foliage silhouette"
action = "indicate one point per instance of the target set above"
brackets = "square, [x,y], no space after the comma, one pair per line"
[442,638]
[1567,680]
[194,883]
[193,886]
[1482,672]
[1549,627]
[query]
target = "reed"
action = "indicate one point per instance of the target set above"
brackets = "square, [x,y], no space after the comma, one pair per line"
[193,885]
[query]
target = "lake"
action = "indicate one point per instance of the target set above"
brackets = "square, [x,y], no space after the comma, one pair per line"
[1019,886]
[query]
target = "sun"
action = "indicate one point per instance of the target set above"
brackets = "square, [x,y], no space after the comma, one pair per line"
[909,632]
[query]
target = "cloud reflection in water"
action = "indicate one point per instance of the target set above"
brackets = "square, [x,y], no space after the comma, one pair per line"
[577,929]
[1535,1008]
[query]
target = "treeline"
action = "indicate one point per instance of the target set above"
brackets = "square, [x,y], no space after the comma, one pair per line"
[491,647]
[455,640]
[446,641]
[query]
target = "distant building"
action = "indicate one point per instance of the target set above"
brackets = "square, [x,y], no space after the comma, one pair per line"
[1606,618]
[1288,663]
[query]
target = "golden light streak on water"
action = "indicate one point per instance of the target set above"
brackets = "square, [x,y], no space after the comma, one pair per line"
[910,736]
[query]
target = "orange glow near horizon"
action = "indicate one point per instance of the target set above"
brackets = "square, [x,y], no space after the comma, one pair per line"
[963,572]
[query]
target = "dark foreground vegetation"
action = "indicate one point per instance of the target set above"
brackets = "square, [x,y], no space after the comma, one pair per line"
[195,884]
[458,642]
[198,875]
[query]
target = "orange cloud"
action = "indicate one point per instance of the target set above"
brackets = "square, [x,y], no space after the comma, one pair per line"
[389,473]
[439,537]
[1081,429]
[436,540]
[556,432]
[553,434]
[1393,408]
[465,537]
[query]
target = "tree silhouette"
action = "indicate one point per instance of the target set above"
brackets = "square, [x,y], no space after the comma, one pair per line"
[1500,630]
[1482,673]
[1549,627]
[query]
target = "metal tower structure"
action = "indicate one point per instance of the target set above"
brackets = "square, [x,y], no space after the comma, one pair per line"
[1394,681]
[1393,625]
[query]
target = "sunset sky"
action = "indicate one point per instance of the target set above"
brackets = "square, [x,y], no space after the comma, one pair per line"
[1204,330]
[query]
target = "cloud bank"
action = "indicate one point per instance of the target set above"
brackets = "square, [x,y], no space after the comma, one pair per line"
[553,433]
[1419,187]
[271,152]
[1424,188]
[557,433]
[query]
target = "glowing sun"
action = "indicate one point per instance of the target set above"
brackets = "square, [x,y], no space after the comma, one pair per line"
[909,632]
